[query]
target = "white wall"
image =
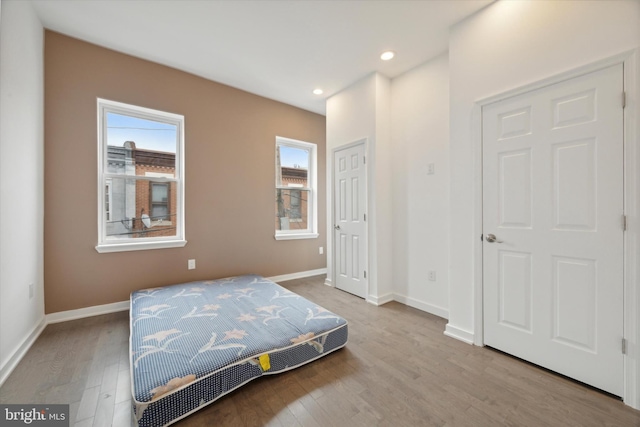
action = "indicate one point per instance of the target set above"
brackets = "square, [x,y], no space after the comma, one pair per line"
[420,135]
[21,179]
[358,112]
[381,222]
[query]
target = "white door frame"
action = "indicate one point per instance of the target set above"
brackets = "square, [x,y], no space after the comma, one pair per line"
[365,143]
[629,59]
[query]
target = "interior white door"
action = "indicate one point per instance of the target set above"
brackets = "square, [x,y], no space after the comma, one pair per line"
[350,230]
[552,223]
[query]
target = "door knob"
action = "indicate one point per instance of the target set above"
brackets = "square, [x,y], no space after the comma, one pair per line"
[337,227]
[491,238]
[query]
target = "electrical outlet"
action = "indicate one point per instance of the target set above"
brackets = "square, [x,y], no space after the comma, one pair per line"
[431,168]
[432,275]
[321,250]
[31,290]
[191,264]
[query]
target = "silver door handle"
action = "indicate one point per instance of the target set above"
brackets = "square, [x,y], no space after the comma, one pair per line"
[337,227]
[491,238]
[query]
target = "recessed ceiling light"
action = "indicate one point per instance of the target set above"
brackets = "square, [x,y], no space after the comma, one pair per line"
[387,55]
[317,91]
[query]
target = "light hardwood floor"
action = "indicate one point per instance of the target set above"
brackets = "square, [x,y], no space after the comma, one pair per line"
[398,369]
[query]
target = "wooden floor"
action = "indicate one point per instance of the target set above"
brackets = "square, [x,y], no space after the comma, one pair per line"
[398,369]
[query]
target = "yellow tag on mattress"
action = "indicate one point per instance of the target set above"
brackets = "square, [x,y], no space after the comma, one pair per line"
[265,363]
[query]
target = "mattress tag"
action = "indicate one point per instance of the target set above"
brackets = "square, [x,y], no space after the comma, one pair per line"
[265,362]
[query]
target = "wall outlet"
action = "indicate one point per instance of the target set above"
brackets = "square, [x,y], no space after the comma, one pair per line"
[321,250]
[191,264]
[432,275]
[431,168]
[31,290]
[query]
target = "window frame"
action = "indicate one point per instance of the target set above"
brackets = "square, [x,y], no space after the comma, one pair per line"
[105,245]
[311,232]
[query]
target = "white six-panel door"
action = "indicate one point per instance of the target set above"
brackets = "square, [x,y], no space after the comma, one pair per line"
[553,199]
[349,219]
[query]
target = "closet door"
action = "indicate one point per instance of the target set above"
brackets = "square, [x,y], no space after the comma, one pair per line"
[552,224]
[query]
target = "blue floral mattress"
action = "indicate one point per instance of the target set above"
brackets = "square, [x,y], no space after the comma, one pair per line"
[192,343]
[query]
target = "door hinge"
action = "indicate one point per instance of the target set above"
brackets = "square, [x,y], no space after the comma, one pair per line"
[365,217]
[624,99]
[624,223]
[365,274]
[364,159]
[624,346]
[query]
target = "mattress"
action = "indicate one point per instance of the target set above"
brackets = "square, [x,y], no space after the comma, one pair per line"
[192,343]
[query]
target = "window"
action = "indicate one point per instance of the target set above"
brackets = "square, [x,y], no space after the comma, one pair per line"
[159,201]
[141,178]
[296,191]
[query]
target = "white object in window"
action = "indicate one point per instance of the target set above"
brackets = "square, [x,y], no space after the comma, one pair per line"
[107,199]
[140,178]
[296,190]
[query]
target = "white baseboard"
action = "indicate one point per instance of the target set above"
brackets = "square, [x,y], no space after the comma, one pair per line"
[299,275]
[371,299]
[19,353]
[459,334]
[96,310]
[421,305]
[328,282]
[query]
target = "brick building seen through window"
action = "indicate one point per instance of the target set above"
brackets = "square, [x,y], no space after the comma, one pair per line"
[140,207]
[292,202]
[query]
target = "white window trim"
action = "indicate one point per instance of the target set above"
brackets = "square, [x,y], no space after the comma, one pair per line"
[312,185]
[143,243]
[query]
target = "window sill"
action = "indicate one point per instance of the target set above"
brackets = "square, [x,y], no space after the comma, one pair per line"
[141,246]
[295,236]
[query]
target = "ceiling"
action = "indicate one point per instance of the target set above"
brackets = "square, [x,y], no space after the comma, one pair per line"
[281,50]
